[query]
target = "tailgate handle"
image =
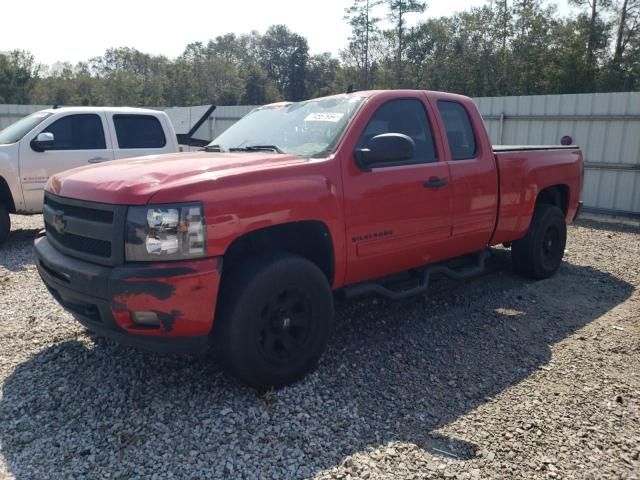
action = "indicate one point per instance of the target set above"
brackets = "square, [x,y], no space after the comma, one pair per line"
[435,182]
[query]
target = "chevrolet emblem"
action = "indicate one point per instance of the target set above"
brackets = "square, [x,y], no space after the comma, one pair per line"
[57,222]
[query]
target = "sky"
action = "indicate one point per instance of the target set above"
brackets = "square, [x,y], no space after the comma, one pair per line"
[75,30]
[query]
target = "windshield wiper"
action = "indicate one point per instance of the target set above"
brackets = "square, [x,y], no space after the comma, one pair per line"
[212,148]
[257,148]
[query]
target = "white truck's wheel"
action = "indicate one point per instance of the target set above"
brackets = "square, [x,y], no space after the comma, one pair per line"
[5,223]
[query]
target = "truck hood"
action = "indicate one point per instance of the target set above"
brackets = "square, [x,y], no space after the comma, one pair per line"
[134,181]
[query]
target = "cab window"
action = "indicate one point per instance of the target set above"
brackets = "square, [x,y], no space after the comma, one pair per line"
[406,116]
[139,131]
[457,123]
[77,132]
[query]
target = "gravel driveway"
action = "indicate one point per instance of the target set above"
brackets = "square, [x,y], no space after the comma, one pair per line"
[497,377]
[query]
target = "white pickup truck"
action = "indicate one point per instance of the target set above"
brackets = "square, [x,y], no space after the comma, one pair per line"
[50,141]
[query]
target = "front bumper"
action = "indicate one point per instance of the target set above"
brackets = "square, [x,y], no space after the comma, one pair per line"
[182,294]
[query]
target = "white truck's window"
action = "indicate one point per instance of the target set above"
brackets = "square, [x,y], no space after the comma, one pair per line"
[139,131]
[78,132]
[14,132]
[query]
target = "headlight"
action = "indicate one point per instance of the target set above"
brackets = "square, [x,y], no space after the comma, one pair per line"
[165,232]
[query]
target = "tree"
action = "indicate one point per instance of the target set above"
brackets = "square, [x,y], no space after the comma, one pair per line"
[503,31]
[65,84]
[258,88]
[621,66]
[510,47]
[323,76]
[364,31]
[19,74]
[596,36]
[530,45]
[398,10]
[284,56]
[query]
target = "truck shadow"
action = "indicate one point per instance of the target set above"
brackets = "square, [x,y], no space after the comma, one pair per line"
[391,373]
[608,227]
[16,253]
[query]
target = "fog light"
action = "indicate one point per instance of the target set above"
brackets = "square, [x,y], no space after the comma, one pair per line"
[146,318]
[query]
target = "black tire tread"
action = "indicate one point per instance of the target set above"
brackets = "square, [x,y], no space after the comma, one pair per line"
[5,223]
[237,292]
[524,252]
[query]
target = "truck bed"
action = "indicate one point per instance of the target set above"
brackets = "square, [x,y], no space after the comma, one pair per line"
[525,170]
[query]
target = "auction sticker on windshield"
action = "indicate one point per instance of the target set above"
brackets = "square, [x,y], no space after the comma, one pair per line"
[324,117]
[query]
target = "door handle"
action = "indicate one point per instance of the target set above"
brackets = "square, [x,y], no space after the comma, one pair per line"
[435,182]
[97,159]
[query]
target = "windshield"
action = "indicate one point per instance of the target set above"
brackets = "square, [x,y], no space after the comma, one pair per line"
[14,132]
[306,129]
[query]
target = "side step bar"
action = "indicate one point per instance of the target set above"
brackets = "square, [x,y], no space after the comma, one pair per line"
[369,288]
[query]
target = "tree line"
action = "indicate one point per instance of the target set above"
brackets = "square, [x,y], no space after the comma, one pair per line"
[508,47]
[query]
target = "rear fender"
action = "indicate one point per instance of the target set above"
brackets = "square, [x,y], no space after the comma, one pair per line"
[523,175]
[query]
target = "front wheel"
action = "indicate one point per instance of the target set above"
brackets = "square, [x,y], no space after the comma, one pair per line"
[5,223]
[274,320]
[539,254]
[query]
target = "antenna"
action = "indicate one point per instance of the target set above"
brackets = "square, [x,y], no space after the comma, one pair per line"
[350,88]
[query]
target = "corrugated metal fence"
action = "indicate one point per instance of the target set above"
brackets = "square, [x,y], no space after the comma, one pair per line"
[605,125]
[183,118]
[11,113]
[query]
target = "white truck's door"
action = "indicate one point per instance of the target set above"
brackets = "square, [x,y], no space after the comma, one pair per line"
[139,134]
[79,139]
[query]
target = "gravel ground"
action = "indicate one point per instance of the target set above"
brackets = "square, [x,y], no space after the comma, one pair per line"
[496,377]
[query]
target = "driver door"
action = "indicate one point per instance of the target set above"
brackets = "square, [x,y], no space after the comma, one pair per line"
[80,139]
[397,216]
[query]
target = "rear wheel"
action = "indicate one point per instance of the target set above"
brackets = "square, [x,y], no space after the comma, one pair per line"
[274,320]
[5,223]
[539,254]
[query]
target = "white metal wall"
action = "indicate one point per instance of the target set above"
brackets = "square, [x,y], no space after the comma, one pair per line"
[605,125]
[11,113]
[183,118]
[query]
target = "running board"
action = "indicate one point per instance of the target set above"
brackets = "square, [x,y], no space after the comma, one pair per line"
[369,288]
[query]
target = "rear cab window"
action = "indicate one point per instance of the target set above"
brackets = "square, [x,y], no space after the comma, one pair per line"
[462,140]
[139,131]
[406,116]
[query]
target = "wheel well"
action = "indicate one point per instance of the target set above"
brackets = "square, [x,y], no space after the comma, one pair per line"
[308,239]
[5,196]
[557,195]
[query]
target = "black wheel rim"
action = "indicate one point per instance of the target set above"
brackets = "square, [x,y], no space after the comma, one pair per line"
[285,327]
[552,247]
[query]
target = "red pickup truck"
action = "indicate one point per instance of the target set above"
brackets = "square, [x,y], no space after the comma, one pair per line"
[241,247]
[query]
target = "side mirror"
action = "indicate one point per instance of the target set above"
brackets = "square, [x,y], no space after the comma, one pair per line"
[385,150]
[44,141]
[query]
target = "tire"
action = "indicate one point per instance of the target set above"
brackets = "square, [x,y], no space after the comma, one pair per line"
[5,223]
[273,321]
[539,254]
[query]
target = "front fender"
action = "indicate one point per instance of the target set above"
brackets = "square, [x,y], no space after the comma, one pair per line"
[270,203]
[239,204]
[10,173]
